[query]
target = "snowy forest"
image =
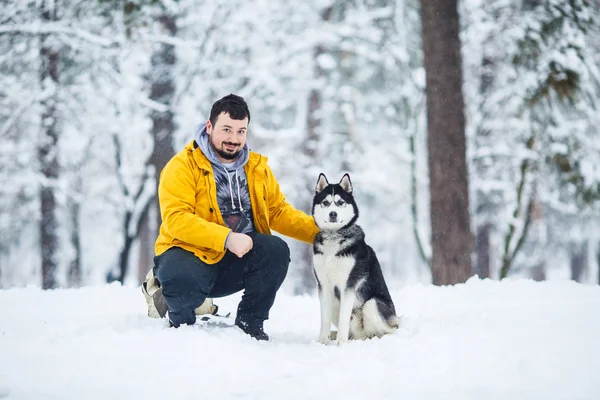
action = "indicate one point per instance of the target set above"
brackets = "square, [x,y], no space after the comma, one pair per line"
[96,96]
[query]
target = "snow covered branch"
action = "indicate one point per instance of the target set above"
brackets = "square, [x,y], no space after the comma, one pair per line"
[58,28]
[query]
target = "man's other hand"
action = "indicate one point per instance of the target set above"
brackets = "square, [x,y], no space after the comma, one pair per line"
[239,244]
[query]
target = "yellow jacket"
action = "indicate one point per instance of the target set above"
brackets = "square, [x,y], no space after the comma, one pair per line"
[191,218]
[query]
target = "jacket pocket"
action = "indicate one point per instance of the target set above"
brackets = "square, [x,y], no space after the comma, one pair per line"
[204,207]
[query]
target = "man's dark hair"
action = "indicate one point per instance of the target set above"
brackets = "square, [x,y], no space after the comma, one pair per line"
[231,104]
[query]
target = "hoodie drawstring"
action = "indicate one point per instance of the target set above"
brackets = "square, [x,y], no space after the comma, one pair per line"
[231,189]
[239,195]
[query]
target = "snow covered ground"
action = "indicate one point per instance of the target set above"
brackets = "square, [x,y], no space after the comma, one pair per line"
[481,340]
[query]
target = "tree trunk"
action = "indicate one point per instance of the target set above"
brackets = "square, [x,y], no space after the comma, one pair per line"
[146,242]
[74,274]
[482,238]
[451,238]
[482,249]
[598,263]
[133,202]
[313,123]
[129,236]
[524,210]
[579,259]
[163,126]
[538,272]
[126,250]
[48,150]
[414,200]
[162,91]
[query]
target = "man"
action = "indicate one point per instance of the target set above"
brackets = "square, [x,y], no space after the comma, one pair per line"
[219,202]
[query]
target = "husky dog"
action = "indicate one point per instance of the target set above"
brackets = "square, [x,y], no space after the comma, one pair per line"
[352,291]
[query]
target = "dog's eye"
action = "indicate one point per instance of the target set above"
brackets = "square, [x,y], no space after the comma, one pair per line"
[340,203]
[325,203]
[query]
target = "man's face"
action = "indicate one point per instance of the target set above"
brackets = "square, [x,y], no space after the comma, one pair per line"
[228,136]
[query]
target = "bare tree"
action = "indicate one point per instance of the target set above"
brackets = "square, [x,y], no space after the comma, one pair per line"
[482,249]
[598,263]
[526,203]
[451,238]
[74,209]
[146,238]
[484,229]
[162,91]
[309,149]
[578,253]
[136,206]
[48,147]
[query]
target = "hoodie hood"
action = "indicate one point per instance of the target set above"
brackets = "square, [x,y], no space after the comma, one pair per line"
[203,142]
[231,182]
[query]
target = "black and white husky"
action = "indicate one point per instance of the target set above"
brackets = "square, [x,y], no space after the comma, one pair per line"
[352,291]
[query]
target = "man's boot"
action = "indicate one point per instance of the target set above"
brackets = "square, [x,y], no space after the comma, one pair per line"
[255,330]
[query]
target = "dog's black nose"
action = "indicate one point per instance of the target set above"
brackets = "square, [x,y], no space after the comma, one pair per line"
[332,215]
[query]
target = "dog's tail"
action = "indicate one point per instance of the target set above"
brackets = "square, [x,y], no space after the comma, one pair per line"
[379,318]
[388,313]
[394,322]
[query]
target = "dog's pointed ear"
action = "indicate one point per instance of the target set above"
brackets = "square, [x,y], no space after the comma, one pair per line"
[321,183]
[346,184]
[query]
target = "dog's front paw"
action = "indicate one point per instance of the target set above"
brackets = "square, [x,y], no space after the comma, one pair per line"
[341,339]
[324,339]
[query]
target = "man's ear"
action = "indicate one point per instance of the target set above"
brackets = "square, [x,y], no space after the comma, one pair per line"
[346,184]
[209,127]
[321,183]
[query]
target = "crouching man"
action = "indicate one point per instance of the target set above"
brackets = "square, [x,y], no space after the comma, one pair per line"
[219,202]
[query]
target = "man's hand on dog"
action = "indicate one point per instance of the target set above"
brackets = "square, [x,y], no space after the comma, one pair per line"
[239,243]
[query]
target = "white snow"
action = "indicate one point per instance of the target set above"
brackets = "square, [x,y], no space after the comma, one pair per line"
[481,340]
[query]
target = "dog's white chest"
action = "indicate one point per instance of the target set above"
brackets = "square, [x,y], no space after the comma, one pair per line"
[332,270]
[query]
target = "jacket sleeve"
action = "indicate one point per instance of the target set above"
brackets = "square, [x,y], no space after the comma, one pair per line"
[177,198]
[284,218]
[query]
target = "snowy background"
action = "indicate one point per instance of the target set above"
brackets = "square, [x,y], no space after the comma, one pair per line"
[333,87]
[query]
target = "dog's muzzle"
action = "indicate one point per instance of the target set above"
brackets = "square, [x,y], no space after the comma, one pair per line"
[333,216]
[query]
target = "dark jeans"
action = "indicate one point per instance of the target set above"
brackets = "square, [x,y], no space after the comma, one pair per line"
[187,281]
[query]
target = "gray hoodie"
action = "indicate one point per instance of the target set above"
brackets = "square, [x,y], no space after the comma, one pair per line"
[232,186]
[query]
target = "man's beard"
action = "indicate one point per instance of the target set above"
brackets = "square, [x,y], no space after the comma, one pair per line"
[224,154]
